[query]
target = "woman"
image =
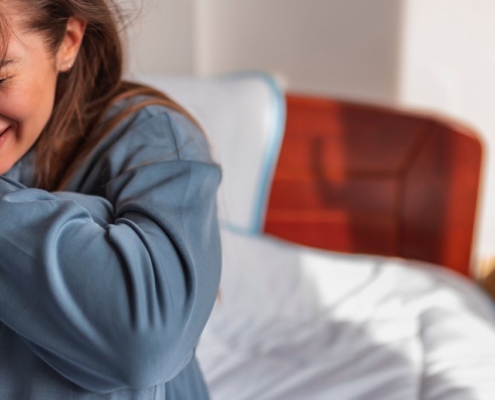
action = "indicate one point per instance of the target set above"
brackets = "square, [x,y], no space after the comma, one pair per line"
[109,243]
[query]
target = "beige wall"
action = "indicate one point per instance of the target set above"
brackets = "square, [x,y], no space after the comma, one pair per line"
[161,40]
[347,48]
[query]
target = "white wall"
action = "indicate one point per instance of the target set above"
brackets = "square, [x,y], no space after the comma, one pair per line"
[347,48]
[448,64]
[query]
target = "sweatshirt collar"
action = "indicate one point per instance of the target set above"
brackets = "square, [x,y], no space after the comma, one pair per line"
[23,171]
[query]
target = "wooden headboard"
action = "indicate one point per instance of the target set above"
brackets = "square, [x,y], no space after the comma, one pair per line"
[365,179]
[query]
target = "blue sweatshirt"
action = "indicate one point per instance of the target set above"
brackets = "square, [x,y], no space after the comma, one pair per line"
[106,287]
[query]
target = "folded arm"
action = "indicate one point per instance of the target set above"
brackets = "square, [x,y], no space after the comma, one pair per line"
[113,293]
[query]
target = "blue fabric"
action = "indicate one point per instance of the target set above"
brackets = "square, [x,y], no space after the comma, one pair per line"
[105,288]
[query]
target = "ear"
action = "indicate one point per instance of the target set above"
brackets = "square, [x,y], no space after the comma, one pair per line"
[69,48]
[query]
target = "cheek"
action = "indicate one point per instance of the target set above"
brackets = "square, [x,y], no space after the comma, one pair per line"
[29,107]
[26,106]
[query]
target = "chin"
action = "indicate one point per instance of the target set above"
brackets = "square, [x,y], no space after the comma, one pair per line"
[3,170]
[6,166]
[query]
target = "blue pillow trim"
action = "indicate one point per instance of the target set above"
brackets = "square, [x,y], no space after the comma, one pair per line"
[271,152]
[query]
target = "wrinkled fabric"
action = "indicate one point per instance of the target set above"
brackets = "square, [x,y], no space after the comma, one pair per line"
[106,287]
[300,323]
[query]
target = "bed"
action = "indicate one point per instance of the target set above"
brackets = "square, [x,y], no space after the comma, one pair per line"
[295,321]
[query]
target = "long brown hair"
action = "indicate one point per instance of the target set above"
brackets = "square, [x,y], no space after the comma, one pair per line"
[88,90]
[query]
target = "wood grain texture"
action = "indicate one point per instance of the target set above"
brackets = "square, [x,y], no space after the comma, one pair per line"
[364,179]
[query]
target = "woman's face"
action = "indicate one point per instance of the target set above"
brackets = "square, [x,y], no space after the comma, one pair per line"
[28,77]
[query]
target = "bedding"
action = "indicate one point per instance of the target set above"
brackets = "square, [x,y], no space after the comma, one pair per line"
[298,323]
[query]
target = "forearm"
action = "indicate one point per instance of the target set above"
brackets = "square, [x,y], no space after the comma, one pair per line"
[108,306]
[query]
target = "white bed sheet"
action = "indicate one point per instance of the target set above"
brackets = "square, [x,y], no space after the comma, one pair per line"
[296,323]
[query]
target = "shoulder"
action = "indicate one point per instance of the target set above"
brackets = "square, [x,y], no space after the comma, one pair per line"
[148,140]
[158,131]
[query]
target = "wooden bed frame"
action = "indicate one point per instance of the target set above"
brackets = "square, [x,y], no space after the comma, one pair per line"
[364,179]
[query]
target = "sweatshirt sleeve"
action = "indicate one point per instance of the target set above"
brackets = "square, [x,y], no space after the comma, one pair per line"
[114,292]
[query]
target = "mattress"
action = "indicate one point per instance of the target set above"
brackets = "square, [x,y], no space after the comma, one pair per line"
[297,323]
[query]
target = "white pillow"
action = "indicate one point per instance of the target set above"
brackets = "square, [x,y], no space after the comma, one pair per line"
[243,114]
